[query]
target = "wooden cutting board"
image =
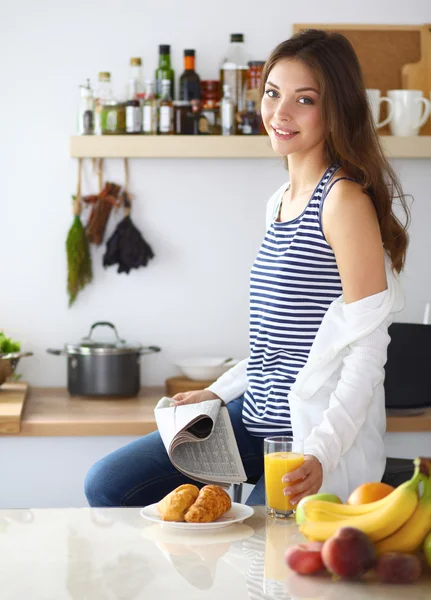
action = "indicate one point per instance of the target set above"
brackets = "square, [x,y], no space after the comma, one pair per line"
[417,76]
[392,57]
[176,385]
[12,398]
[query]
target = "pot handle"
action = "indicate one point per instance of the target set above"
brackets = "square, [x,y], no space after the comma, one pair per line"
[108,324]
[150,350]
[56,352]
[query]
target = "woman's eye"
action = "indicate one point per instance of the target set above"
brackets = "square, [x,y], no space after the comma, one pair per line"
[306,100]
[271,93]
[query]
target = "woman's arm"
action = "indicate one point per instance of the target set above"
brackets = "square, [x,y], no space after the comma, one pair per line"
[231,384]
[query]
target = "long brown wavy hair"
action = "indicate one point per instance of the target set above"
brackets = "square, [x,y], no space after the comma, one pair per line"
[351,139]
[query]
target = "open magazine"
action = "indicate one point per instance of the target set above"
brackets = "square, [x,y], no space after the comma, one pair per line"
[200,441]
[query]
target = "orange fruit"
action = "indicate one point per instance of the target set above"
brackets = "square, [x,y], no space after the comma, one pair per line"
[369,492]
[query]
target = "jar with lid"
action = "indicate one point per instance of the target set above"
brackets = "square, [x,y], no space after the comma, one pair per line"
[210,104]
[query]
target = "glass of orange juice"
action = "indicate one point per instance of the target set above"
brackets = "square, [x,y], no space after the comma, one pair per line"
[282,454]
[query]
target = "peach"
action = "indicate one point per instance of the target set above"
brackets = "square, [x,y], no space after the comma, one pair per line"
[349,553]
[305,558]
[397,567]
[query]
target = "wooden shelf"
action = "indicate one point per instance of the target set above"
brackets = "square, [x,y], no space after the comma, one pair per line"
[185,146]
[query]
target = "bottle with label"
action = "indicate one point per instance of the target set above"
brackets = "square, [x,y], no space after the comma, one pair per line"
[227,112]
[210,104]
[190,83]
[150,109]
[86,110]
[103,96]
[133,110]
[234,69]
[136,81]
[166,109]
[250,120]
[200,125]
[165,71]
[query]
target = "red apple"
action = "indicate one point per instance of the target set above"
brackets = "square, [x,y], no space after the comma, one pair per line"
[305,558]
[349,553]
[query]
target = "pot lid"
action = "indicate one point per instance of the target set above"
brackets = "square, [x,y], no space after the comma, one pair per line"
[88,345]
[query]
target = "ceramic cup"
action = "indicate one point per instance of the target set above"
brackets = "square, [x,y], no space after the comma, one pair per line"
[375,100]
[411,110]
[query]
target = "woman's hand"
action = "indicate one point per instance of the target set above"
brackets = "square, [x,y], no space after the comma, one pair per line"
[193,397]
[308,479]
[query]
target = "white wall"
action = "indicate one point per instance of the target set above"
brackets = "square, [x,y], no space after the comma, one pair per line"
[203,218]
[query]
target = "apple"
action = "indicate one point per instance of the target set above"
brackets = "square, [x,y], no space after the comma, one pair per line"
[305,558]
[427,549]
[349,553]
[299,512]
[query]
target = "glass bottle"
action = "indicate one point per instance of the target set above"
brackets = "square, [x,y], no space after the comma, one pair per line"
[136,81]
[103,96]
[227,112]
[166,109]
[190,83]
[199,121]
[165,71]
[210,104]
[234,70]
[86,110]
[150,109]
[133,110]
[250,119]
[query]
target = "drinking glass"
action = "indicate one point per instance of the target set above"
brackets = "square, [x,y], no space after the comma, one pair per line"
[282,454]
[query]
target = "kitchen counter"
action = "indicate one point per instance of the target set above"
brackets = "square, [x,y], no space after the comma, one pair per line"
[114,553]
[52,412]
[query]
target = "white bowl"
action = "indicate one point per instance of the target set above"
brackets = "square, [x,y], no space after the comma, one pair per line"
[209,368]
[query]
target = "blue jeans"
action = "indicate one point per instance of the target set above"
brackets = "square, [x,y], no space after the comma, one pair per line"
[141,473]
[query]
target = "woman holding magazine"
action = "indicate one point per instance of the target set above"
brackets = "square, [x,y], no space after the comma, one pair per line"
[323,290]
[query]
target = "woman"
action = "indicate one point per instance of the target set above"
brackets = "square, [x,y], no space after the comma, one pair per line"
[322,293]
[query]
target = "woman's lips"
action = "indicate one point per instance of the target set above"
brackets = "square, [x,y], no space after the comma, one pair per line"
[284,134]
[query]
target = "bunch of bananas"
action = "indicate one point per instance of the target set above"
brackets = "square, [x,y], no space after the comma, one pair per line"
[397,523]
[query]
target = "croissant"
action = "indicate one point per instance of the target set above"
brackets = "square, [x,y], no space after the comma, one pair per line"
[212,502]
[173,506]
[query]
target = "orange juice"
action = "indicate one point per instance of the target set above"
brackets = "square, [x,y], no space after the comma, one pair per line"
[278,464]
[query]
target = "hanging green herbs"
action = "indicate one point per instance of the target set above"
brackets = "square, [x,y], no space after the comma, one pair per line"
[79,269]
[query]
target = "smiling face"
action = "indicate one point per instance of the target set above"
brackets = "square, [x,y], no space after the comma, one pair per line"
[291,108]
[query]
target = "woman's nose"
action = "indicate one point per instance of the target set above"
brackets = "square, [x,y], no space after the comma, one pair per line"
[284,111]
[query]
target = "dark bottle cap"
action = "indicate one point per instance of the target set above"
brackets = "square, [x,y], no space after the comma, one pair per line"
[164,49]
[189,52]
[236,37]
[256,63]
[251,105]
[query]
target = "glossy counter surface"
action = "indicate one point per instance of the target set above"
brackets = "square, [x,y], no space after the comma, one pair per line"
[114,554]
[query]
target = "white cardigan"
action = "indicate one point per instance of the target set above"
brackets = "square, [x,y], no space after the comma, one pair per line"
[337,402]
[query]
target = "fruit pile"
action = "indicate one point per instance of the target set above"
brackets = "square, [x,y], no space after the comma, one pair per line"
[386,534]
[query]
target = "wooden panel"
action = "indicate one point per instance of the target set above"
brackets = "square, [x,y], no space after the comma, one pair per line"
[177,385]
[12,398]
[383,52]
[52,412]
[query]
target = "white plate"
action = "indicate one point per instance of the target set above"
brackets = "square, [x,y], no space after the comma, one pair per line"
[237,514]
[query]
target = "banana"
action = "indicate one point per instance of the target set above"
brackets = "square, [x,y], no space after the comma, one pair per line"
[411,535]
[350,510]
[380,523]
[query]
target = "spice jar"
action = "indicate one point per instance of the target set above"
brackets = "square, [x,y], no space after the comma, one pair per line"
[113,118]
[254,77]
[210,104]
[182,117]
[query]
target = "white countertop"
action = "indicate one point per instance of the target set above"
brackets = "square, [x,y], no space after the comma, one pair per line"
[114,554]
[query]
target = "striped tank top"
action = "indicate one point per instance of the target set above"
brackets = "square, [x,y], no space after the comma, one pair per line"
[293,281]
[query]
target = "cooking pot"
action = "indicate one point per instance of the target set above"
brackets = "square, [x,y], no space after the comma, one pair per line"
[96,368]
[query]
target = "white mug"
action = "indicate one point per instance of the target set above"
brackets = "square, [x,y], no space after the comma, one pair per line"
[408,119]
[375,100]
